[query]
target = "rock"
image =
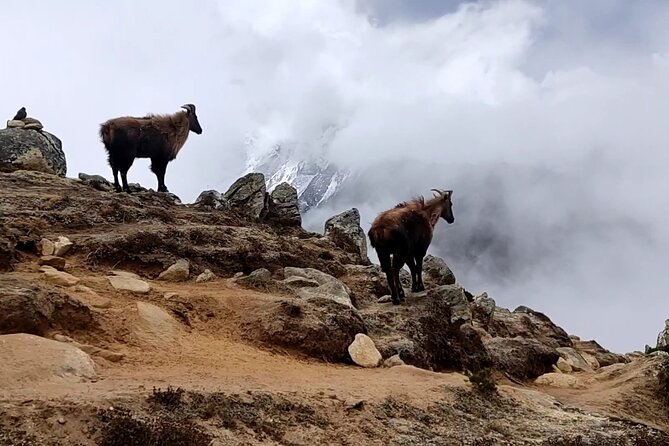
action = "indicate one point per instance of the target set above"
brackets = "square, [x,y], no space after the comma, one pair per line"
[328,287]
[436,270]
[27,308]
[563,366]
[663,336]
[25,358]
[454,297]
[300,282]
[90,349]
[522,358]
[261,275]
[53,261]
[156,326]
[283,206]
[527,323]
[38,151]
[574,358]
[385,299]
[559,380]
[320,328]
[123,283]
[238,275]
[15,124]
[661,353]
[591,360]
[429,331]
[59,277]
[248,194]
[363,351]
[118,272]
[393,361]
[97,182]
[178,272]
[47,247]
[213,200]
[62,246]
[483,309]
[345,231]
[331,290]
[603,356]
[206,276]
[61,420]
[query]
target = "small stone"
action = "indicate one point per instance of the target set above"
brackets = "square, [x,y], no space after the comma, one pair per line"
[385,299]
[178,272]
[393,361]
[53,261]
[46,247]
[61,420]
[62,338]
[92,298]
[238,275]
[171,295]
[59,277]
[363,351]
[129,284]
[62,246]
[354,404]
[206,276]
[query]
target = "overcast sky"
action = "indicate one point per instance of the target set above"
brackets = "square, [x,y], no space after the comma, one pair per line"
[576,89]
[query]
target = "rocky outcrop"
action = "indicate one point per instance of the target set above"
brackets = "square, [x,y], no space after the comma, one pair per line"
[431,331]
[437,271]
[28,308]
[345,231]
[22,149]
[663,337]
[283,206]
[526,323]
[248,195]
[97,182]
[602,356]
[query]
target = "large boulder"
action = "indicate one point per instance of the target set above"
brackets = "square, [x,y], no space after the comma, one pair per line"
[22,149]
[26,308]
[437,271]
[345,231]
[248,194]
[527,323]
[283,206]
[603,356]
[26,359]
[317,327]
[521,358]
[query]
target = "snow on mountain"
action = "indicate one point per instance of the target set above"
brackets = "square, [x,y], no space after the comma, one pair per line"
[302,166]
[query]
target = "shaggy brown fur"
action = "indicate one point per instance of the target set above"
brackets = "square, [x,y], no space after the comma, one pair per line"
[402,235]
[159,137]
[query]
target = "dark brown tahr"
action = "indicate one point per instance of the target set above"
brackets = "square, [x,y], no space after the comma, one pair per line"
[159,137]
[403,234]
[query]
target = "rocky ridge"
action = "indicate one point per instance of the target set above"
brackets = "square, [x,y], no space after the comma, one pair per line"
[114,276]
